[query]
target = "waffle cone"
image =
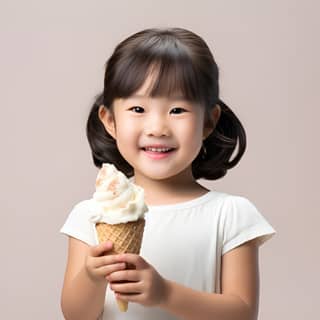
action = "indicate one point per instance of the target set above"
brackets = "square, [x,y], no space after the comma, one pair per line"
[126,238]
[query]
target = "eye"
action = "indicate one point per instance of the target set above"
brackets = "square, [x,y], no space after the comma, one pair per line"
[137,109]
[178,110]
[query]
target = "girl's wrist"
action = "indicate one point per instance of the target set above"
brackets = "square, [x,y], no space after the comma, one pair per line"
[167,288]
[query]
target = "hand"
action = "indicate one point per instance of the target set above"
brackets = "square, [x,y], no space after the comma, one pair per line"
[99,264]
[145,285]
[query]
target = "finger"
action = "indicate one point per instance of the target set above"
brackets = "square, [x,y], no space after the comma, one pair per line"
[98,250]
[133,297]
[105,260]
[127,287]
[132,258]
[109,269]
[124,275]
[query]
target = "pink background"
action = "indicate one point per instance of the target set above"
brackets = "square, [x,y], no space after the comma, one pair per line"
[52,63]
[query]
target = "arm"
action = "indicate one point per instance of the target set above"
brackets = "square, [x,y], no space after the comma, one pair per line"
[82,297]
[240,291]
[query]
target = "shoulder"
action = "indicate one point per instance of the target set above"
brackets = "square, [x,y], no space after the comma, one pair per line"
[227,202]
[239,209]
[78,224]
[83,204]
[83,208]
[241,221]
[232,200]
[224,197]
[233,205]
[230,206]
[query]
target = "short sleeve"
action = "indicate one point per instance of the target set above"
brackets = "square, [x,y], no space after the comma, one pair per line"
[243,222]
[78,225]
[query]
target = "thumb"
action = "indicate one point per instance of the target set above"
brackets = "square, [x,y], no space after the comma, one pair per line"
[98,250]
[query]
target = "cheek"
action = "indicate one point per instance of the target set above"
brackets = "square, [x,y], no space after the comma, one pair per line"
[126,133]
[126,137]
[122,124]
[190,132]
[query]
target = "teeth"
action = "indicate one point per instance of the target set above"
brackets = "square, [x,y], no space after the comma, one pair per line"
[158,149]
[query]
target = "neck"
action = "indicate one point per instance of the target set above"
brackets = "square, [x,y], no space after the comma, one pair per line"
[175,189]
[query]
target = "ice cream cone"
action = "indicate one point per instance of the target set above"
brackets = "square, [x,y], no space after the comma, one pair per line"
[119,213]
[126,238]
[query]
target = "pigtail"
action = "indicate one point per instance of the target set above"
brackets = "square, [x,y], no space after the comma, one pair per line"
[220,145]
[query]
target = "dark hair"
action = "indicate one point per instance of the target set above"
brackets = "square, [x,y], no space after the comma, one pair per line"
[184,64]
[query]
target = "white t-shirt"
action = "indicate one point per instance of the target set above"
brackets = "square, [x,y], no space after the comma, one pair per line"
[184,242]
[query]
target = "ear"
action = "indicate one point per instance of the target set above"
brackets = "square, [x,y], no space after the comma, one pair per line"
[107,119]
[211,123]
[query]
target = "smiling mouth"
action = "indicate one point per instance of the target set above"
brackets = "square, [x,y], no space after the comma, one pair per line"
[160,150]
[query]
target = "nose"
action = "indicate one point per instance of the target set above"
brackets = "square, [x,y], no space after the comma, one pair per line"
[157,126]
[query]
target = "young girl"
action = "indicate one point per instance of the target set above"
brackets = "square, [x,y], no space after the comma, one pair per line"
[161,122]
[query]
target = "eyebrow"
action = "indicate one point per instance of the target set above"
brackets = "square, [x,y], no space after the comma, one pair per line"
[171,98]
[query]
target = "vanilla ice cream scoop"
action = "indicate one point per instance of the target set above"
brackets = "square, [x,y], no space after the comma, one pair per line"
[116,199]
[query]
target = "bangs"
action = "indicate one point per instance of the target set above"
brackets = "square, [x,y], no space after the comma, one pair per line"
[169,64]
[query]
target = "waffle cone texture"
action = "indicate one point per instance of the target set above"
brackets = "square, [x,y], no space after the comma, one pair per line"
[126,238]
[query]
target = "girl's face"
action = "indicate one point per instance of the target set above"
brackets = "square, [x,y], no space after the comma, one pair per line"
[141,122]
